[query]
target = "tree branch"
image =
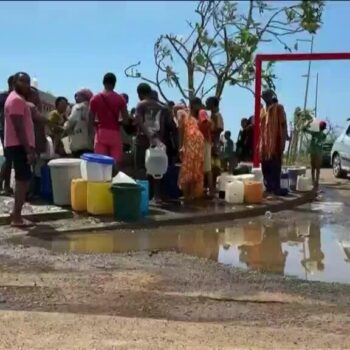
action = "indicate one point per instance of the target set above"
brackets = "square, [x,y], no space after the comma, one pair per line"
[172,42]
[206,92]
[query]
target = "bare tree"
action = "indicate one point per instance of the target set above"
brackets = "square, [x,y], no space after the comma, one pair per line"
[220,46]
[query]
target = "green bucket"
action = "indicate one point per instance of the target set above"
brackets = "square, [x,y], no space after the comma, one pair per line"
[126,201]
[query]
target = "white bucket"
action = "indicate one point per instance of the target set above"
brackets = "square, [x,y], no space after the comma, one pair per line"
[96,168]
[63,171]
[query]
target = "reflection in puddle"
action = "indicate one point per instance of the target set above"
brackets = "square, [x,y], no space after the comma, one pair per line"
[328,207]
[304,250]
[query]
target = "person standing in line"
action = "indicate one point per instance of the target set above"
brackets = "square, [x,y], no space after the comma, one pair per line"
[20,143]
[128,130]
[5,173]
[228,154]
[272,141]
[191,177]
[168,130]
[79,127]
[110,111]
[57,118]
[249,145]
[149,120]
[39,123]
[213,105]
[241,145]
[205,126]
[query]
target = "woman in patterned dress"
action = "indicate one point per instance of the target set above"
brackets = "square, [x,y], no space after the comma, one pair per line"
[191,178]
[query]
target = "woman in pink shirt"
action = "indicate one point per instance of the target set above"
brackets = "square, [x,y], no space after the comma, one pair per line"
[110,110]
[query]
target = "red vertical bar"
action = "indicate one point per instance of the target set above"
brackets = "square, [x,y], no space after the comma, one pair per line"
[258,67]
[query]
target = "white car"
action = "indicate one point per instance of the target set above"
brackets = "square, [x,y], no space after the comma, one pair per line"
[340,154]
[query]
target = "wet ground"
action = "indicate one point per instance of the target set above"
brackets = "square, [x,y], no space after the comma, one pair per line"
[167,291]
[311,242]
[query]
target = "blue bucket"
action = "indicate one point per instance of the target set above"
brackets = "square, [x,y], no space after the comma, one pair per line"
[144,206]
[45,183]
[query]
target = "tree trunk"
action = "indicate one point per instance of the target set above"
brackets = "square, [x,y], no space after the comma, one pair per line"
[219,88]
[190,79]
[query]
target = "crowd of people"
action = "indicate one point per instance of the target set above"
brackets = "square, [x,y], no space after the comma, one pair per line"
[192,135]
[102,124]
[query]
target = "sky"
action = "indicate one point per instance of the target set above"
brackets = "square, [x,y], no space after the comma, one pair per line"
[70,45]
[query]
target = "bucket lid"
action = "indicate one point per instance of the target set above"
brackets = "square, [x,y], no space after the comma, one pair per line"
[128,186]
[97,158]
[64,162]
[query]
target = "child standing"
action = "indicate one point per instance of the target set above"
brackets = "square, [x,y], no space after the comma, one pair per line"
[228,154]
[317,140]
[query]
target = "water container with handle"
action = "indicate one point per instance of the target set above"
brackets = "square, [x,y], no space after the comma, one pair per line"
[156,161]
[223,181]
[234,192]
[304,183]
[293,173]
[49,153]
[253,192]
[314,125]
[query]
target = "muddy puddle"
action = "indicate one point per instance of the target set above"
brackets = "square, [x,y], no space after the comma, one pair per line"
[307,250]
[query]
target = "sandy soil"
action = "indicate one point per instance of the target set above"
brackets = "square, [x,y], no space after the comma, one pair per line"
[163,301]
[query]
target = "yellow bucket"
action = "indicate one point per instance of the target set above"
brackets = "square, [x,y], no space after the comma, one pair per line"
[99,198]
[78,194]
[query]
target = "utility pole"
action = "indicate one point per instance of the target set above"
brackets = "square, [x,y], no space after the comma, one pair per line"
[316,95]
[308,75]
[307,87]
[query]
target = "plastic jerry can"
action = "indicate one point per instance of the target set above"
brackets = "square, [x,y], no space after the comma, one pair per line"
[156,162]
[99,198]
[144,205]
[223,180]
[304,183]
[79,195]
[315,125]
[253,192]
[234,193]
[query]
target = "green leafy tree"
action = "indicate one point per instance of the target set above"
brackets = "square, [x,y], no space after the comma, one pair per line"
[220,46]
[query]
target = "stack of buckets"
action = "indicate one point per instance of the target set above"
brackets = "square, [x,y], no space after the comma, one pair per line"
[91,192]
[95,193]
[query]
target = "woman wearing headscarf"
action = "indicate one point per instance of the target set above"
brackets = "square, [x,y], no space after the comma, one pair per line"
[191,178]
[79,126]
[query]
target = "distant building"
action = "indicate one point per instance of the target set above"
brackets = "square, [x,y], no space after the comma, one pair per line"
[47,101]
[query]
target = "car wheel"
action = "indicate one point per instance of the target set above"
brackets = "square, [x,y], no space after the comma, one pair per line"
[337,170]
